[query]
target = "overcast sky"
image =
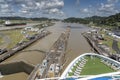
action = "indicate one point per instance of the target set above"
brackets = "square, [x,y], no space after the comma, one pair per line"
[59,8]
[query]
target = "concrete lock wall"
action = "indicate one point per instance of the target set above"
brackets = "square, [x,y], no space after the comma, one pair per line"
[27,68]
[15,67]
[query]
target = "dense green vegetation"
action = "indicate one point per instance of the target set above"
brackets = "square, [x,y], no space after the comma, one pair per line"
[110,21]
[76,20]
[24,18]
[1,21]
[95,66]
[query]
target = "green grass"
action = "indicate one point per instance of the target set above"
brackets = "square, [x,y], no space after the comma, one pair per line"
[108,41]
[31,32]
[15,37]
[70,73]
[1,40]
[94,67]
[74,68]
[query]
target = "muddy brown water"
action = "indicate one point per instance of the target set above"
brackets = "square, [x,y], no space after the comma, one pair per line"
[76,45]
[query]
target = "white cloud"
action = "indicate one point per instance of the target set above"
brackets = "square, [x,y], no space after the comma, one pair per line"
[1,1]
[86,10]
[112,1]
[5,8]
[101,9]
[108,8]
[49,4]
[56,11]
[51,7]
[31,7]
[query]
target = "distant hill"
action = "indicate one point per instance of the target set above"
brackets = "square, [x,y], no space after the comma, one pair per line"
[24,18]
[13,18]
[76,20]
[95,19]
[112,20]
